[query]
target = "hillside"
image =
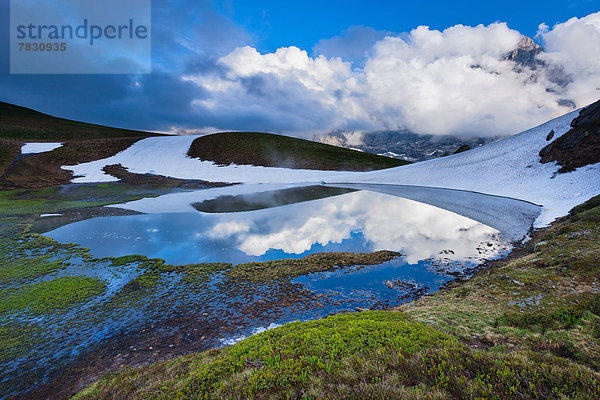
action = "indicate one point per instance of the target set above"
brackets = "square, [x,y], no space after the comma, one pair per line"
[268,150]
[83,142]
[86,143]
[512,167]
[25,124]
[171,156]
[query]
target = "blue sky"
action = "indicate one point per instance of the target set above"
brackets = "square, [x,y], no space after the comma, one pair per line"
[232,65]
[275,24]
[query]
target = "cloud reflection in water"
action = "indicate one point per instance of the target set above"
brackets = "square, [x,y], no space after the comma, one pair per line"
[361,221]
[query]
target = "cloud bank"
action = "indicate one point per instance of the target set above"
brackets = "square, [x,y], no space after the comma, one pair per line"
[208,76]
[455,81]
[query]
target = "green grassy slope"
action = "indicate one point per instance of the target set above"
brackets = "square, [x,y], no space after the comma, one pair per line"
[527,327]
[544,298]
[25,124]
[269,150]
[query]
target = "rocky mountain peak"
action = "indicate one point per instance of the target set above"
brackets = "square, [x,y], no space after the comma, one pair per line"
[525,53]
[525,56]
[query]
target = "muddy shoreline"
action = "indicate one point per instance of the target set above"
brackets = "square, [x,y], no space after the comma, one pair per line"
[190,331]
[196,331]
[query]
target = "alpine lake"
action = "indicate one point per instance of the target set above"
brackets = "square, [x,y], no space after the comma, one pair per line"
[109,275]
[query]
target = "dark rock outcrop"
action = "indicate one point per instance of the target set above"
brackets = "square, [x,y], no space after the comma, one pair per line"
[463,148]
[578,147]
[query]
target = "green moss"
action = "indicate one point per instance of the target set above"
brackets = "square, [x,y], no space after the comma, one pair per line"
[28,268]
[16,339]
[290,268]
[54,295]
[197,275]
[560,318]
[134,293]
[129,259]
[195,269]
[147,281]
[25,256]
[57,199]
[563,318]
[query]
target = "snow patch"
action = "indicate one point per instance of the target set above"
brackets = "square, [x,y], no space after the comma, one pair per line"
[168,156]
[509,167]
[34,148]
[238,338]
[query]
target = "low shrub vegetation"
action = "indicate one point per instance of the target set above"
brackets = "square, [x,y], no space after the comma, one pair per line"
[358,355]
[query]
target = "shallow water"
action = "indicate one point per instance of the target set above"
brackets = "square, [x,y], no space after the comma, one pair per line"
[258,223]
[361,221]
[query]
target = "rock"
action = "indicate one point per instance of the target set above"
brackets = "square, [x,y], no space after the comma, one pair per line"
[578,147]
[539,245]
[389,284]
[525,54]
[463,148]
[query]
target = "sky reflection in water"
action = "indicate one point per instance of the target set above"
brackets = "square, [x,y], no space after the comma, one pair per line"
[361,221]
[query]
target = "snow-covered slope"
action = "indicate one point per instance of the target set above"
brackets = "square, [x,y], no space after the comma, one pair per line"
[168,156]
[508,167]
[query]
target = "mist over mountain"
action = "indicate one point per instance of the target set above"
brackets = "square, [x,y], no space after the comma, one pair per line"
[403,144]
[528,59]
[528,56]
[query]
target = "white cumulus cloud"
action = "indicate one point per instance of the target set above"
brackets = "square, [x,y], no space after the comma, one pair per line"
[575,45]
[454,81]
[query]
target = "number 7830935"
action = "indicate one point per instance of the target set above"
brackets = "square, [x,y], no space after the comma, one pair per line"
[23,46]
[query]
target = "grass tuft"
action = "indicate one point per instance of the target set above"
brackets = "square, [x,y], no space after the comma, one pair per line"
[51,296]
